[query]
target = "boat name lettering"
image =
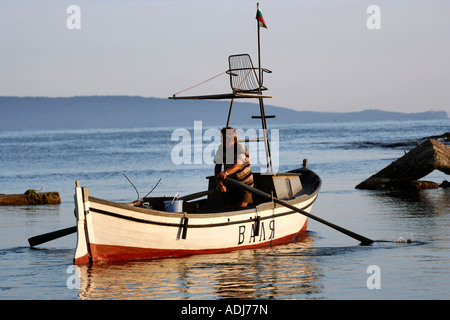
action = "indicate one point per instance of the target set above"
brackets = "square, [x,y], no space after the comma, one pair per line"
[253,237]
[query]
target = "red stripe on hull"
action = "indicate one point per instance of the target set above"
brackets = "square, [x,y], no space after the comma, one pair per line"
[82,260]
[109,253]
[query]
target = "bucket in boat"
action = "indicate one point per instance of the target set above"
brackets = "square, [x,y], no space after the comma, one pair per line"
[174,205]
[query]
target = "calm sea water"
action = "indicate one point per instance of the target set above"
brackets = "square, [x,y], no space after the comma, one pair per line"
[323,265]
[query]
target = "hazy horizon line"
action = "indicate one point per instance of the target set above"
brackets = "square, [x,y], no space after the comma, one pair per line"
[267,105]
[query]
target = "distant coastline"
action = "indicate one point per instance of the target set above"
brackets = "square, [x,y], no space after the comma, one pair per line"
[18,113]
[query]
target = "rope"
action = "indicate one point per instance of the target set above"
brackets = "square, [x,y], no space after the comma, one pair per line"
[238,87]
[240,84]
[199,83]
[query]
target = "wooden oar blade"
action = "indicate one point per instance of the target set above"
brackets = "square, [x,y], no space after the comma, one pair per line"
[46,237]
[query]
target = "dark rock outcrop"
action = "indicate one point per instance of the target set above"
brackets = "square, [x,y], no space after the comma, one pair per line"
[405,172]
[30,197]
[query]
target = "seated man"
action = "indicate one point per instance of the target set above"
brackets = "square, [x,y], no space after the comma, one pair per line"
[236,161]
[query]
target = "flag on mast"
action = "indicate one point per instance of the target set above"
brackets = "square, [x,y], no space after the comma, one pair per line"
[260,18]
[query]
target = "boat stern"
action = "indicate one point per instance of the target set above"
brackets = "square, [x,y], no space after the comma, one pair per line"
[82,254]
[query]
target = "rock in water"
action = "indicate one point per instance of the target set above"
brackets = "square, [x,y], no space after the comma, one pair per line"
[30,197]
[405,171]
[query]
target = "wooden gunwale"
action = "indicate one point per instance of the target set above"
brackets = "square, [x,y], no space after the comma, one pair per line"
[268,206]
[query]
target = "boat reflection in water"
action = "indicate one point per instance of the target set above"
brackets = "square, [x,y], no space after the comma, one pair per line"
[245,274]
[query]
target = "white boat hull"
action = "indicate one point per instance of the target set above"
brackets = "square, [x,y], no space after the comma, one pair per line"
[113,231]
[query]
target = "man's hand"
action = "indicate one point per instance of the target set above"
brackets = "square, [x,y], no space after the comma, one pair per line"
[220,186]
[221,175]
[219,178]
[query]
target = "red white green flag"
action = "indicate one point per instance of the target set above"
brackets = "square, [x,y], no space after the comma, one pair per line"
[260,18]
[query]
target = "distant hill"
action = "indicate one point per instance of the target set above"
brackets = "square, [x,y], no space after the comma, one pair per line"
[18,113]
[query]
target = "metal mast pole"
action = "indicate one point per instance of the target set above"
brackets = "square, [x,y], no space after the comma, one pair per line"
[261,103]
[259,50]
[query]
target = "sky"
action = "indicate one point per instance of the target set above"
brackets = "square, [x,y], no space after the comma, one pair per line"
[322,53]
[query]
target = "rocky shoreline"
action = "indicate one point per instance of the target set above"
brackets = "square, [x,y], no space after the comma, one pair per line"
[405,172]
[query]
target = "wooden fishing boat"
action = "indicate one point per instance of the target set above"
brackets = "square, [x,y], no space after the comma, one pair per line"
[115,231]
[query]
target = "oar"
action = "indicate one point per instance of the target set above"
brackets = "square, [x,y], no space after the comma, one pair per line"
[34,241]
[362,239]
[198,195]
